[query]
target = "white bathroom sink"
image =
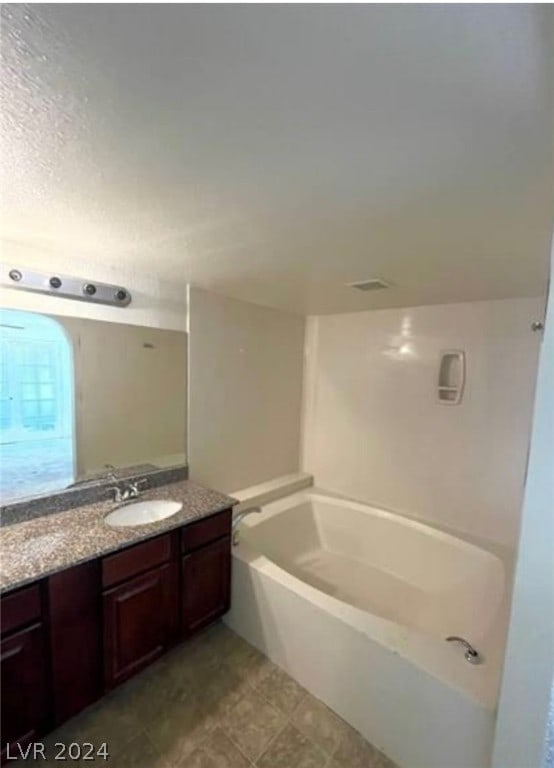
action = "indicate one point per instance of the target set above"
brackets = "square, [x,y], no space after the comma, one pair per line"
[142,512]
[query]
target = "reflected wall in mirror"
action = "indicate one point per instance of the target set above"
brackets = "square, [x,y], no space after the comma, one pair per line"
[78,394]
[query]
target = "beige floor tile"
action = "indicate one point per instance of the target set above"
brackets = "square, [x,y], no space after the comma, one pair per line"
[139,753]
[252,724]
[222,692]
[195,659]
[147,693]
[319,724]
[280,689]
[113,721]
[230,644]
[355,752]
[217,752]
[291,749]
[216,702]
[247,661]
[179,729]
[220,643]
[222,639]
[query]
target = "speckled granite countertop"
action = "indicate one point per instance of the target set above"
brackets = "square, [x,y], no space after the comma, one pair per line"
[39,547]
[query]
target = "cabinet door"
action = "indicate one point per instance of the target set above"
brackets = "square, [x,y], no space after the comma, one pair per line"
[74,598]
[205,585]
[138,621]
[23,673]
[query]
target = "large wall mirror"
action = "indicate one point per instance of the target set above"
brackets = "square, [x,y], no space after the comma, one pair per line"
[77,395]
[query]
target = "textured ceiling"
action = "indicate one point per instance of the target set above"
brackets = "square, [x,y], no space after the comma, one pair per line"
[274,153]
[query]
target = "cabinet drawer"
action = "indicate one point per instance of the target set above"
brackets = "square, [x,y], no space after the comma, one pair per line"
[20,608]
[205,531]
[135,560]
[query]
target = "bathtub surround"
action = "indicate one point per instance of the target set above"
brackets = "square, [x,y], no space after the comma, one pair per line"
[374,429]
[385,565]
[245,391]
[275,489]
[355,603]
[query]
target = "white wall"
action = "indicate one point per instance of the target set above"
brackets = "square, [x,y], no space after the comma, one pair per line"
[529,663]
[130,399]
[245,391]
[373,429]
[155,304]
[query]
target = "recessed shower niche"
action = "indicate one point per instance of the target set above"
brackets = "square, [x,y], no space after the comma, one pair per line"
[452,374]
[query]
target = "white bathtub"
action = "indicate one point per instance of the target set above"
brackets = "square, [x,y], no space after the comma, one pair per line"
[356,603]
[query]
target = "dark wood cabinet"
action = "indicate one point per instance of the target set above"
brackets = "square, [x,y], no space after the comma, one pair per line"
[205,531]
[21,608]
[72,636]
[23,681]
[205,583]
[75,633]
[138,623]
[137,559]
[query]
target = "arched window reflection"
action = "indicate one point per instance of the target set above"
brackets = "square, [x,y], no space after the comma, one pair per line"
[36,405]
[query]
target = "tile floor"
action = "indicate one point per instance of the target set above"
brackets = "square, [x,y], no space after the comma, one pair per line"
[216,702]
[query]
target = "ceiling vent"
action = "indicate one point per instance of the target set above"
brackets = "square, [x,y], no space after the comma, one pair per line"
[375,284]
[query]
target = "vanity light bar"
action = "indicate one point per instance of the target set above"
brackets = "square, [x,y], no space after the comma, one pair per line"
[69,287]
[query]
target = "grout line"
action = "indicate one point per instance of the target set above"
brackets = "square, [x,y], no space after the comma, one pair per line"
[239,750]
[288,717]
[234,743]
[278,711]
[156,748]
[270,742]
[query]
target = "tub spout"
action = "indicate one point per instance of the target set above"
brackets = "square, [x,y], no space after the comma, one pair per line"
[238,519]
[471,654]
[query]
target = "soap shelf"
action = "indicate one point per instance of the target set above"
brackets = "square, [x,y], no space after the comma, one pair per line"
[452,374]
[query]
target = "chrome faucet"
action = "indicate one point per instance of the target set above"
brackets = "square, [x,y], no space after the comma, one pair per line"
[471,654]
[129,491]
[238,519]
[125,491]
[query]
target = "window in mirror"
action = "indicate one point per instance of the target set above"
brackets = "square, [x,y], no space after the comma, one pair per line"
[36,406]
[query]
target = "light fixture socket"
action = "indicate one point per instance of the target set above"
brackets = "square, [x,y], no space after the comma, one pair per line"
[67,287]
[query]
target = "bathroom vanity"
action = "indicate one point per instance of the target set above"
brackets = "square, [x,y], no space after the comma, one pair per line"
[76,633]
[92,588]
